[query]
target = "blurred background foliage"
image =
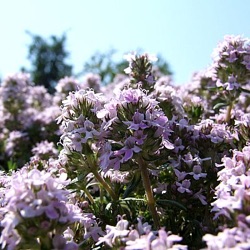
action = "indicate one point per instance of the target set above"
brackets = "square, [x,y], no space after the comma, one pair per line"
[49,62]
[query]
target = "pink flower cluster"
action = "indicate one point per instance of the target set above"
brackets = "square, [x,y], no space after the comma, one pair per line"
[178,156]
[140,238]
[232,201]
[37,211]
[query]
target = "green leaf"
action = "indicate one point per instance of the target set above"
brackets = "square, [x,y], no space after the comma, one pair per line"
[245,90]
[220,105]
[133,199]
[11,165]
[171,203]
[132,185]
[212,88]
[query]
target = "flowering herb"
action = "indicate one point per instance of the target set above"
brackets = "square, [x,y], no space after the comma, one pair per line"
[137,164]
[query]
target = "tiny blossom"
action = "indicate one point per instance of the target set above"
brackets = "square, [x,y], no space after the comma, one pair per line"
[39,98]
[231,84]
[161,188]
[180,174]
[73,101]
[14,89]
[231,64]
[143,228]
[197,174]
[201,197]
[105,152]
[114,233]
[184,186]
[139,137]
[87,131]
[188,159]
[138,122]
[246,61]
[129,149]
[91,227]
[74,141]
[164,92]
[60,243]
[178,145]
[244,119]
[132,58]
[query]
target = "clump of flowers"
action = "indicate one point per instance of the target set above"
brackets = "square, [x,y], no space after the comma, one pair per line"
[45,150]
[38,213]
[232,202]
[140,70]
[168,97]
[140,147]
[28,117]
[231,70]
[92,81]
[63,87]
[140,237]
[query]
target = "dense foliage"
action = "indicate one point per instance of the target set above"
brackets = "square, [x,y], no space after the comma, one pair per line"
[48,60]
[139,163]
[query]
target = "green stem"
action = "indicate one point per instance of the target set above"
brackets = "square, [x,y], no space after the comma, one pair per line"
[86,191]
[104,184]
[228,115]
[149,192]
[91,160]
[45,242]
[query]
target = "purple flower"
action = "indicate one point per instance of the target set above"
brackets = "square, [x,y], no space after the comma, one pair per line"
[139,137]
[201,197]
[184,186]
[138,122]
[114,232]
[117,176]
[180,174]
[165,241]
[197,174]
[246,61]
[105,153]
[116,160]
[129,149]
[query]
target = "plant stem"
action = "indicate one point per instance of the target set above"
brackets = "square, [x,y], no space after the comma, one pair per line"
[228,115]
[104,184]
[94,169]
[45,242]
[86,191]
[149,192]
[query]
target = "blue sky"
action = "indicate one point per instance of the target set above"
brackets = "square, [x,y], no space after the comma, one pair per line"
[184,32]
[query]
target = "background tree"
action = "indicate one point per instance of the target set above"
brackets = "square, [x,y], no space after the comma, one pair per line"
[104,65]
[48,60]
